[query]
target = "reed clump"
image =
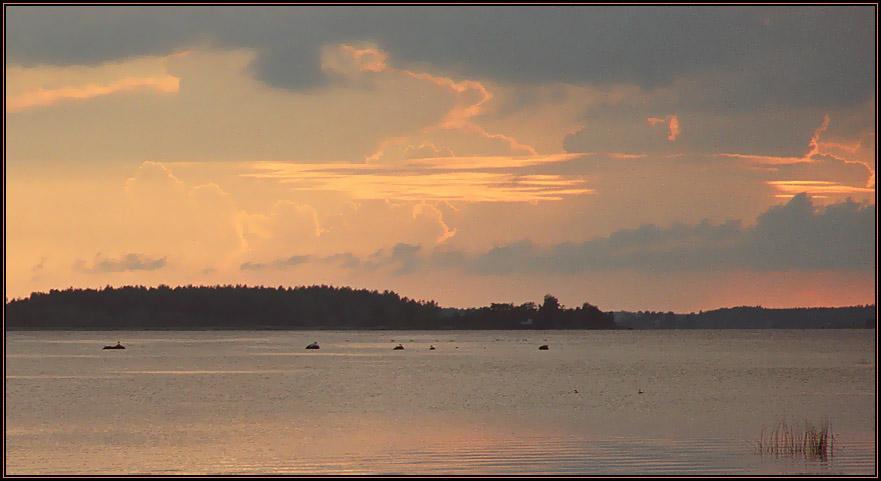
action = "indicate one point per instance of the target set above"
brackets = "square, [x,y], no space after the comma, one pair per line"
[791,440]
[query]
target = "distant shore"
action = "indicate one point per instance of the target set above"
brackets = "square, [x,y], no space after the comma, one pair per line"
[306,308]
[339,329]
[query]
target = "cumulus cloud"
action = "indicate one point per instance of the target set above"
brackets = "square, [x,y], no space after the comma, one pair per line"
[434,217]
[373,224]
[646,248]
[287,227]
[799,237]
[164,213]
[155,181]
[796,236]
[344,232]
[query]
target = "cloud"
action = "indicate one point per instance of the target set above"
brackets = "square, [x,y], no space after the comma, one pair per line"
[426,151]
[287,227]
[345,260]
[623,122]
[40,97]
[154,180]
[814,161]
[433,216]
[277,264]
[128,262]
[38,270]
[468,179]
[400,259]
[253,122]
[646,248]
[365,226]
[826,168]
[796,236]
[339,234]
[663,43]
[162,212]
[817,188]
[673,124]
[352,60]
[445,128]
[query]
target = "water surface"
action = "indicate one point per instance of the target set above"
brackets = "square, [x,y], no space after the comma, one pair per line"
[485,402]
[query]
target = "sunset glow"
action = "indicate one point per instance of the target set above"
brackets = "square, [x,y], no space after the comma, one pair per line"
[453,164]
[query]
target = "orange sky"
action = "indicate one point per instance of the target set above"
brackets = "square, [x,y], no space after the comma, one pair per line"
[389,164]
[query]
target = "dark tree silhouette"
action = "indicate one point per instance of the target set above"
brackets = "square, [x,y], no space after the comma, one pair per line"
[242,307]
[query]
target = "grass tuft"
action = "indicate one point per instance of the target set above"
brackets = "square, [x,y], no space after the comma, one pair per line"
[811,441]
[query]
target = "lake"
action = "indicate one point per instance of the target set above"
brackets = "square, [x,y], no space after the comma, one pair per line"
[642,402]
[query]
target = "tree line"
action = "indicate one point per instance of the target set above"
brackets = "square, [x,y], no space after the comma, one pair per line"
[305,307]
[754,317]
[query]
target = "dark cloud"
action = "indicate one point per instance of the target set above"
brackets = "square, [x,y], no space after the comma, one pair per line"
[765,131]
[68,34]
[129,262]
[346,260]
[401,259]
[778,54]
[648,247]
[796,236]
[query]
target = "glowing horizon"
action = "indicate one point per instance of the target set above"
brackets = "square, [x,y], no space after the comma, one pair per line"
[370,158]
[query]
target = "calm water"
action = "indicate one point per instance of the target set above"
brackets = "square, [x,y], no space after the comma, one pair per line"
[257,402]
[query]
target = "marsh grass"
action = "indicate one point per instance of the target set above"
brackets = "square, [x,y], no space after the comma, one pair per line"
[811,441]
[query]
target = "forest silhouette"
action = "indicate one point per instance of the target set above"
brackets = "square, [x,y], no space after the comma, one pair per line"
[242,307]
[312,307]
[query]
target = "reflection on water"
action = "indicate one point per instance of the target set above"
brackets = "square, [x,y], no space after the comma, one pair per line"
[205,403]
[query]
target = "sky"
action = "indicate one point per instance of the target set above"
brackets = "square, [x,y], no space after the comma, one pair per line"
[664,158]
